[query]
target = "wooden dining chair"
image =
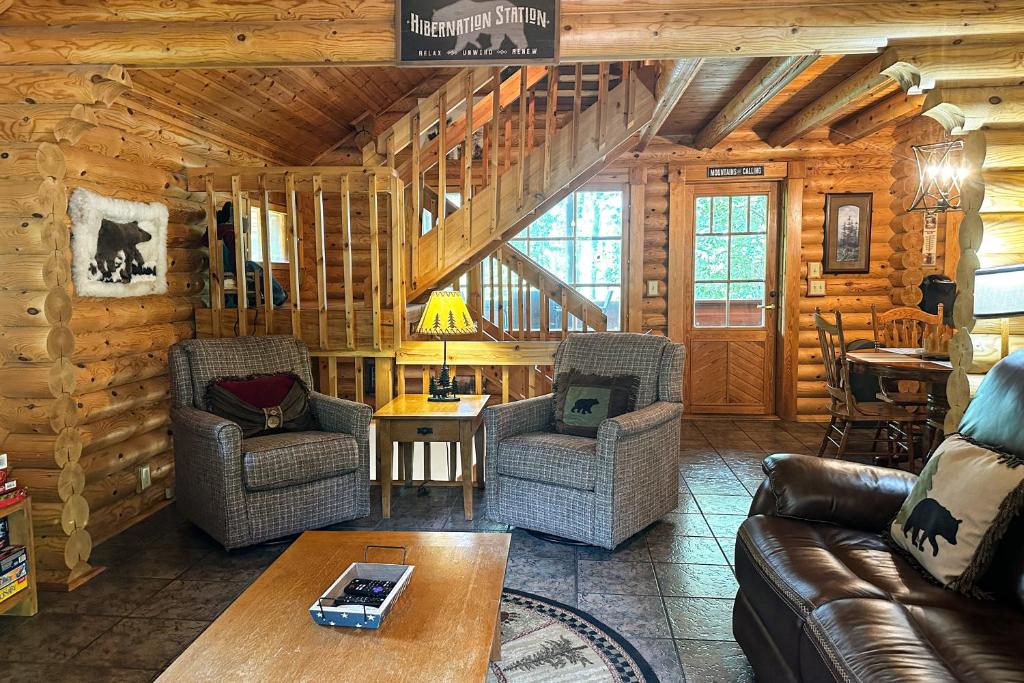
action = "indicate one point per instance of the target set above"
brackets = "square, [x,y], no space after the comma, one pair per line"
[900,424]
[903,327]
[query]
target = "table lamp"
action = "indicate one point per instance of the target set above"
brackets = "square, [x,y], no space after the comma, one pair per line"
[445,315]
[999,293]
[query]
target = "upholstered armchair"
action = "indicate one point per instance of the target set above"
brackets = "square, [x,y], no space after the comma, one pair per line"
[246,491]
[597,491]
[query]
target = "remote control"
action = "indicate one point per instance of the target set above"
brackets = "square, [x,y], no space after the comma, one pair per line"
[368,588]
[365,600]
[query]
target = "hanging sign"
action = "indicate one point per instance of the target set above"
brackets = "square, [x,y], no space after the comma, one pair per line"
[931,238]
[477,31]
[734,171]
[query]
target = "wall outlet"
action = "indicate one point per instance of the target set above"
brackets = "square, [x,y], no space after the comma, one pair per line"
[815,288]
[814,269]
[145,479]
[652,288]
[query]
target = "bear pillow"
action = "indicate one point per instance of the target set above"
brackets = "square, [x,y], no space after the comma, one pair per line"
[959,510]
[583,402]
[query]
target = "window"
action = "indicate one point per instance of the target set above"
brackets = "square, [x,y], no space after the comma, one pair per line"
[278,229]
[730,256]
[580,241]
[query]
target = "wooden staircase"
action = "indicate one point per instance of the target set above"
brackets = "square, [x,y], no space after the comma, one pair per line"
[538,134]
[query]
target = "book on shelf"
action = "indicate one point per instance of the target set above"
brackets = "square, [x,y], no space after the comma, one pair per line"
[10,493]
[13,571]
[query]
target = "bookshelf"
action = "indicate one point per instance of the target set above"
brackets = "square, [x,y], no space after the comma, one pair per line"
[19,524]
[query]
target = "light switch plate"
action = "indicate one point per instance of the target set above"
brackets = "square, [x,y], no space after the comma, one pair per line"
[815,288]
[145,479]
[814,269]
[652,288]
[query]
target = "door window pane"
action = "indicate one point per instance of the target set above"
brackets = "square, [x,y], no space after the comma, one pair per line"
[746,301]
[747,257]
[711,258]
[730,263]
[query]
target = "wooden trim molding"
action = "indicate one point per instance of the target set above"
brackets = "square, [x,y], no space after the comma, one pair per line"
[792,284]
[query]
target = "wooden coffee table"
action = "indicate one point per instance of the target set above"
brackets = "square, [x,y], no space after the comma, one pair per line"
[411,418]
[444,627]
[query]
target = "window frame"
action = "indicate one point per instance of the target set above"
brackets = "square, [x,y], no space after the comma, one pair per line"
[254,226]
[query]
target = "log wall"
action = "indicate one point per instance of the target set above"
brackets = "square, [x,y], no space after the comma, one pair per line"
[83,381]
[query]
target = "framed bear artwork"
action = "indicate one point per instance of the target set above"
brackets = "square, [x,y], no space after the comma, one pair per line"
[119,247]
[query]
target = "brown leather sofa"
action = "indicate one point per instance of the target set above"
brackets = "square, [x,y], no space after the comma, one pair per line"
[823,597]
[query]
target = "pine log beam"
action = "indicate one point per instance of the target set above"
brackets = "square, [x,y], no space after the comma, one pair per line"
[208,33]
[875,78]
[894,109]
[961,110]
[769,81]
[995,63]
[673,83]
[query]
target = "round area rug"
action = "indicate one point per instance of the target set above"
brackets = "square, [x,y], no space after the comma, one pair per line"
[544,640]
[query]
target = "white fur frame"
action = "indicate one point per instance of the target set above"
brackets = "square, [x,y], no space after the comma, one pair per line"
[87,210]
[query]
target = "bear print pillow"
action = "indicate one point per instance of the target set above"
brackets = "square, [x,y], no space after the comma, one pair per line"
[583,402]
[959,509]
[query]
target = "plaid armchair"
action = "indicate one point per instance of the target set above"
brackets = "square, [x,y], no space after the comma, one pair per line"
[246,491]
[598,491]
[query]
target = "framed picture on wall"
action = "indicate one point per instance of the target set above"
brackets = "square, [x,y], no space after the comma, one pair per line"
[847,232]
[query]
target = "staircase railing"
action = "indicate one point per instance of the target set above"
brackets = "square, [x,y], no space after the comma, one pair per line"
[503,145]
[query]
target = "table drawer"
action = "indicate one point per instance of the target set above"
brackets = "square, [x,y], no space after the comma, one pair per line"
[404,431]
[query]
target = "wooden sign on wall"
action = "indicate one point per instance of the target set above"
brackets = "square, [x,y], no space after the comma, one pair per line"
[477,32]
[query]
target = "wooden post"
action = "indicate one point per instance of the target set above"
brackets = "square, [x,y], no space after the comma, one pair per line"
[321,260]
[627,109]
[397,260]
[242,292]
[523,105]
[417,175]
[602,104]
[216,258]
[358,366]
[294,260]
[504,384]
[577,106]
[332,376]
[678,213]
[442,175]
[550,120]
[467,162]
[635,263]
[268,274]
[495,142]
[564,303]
[375,290]
[346,232]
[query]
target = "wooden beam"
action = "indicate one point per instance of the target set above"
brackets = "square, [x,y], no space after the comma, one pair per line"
[769,81]
[961,110]
[995,63]
[874,78]
[894,109]
[207,33]
[674,83]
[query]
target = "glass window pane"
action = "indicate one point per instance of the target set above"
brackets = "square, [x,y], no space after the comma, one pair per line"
[608,299]
[709,305]
[747,257]
[720,215]
[703,215]
[711,258]
[744,299]
[739,214]
[278,237]
[255,235]
[598,214]
[520,244]
[554,223]
[554,255]
[759,213]
[599,261]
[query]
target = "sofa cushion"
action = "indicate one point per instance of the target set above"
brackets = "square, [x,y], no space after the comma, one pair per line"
[560,459]
[278,460]
[881,640]
[958,511]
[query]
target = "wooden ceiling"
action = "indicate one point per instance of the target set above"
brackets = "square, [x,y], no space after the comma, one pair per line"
[288,115]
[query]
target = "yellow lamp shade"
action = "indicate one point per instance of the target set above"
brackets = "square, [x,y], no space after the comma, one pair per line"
[446,315]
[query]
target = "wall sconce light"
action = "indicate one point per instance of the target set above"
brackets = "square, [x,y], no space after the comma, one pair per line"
[940,173]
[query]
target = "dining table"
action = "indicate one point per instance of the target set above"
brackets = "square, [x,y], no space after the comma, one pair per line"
[910,364]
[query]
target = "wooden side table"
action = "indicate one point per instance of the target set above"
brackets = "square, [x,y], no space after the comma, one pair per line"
[411,418]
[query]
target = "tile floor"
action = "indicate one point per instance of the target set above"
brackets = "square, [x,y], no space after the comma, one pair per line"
[669,590]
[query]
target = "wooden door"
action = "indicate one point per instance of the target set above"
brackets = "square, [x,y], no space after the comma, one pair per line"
[730,297]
